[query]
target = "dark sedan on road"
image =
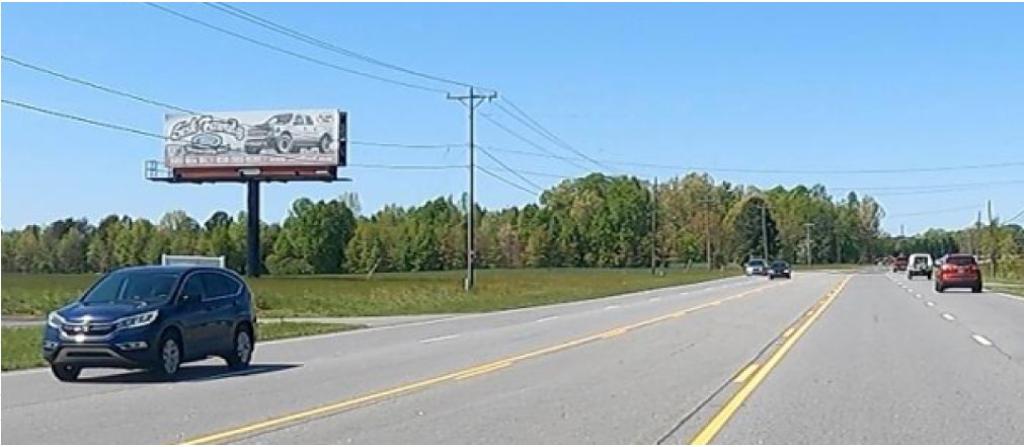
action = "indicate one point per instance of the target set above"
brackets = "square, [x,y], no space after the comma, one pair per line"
[153,317]
[780,269]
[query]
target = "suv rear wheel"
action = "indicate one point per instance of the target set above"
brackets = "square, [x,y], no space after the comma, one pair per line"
[66,373]
[240,357]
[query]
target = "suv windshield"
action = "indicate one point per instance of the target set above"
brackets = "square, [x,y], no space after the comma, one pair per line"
[756,263]
[117,287]
[281,119]
[780,265]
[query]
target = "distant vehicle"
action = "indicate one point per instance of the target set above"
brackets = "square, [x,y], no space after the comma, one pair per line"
[288,133]
[957,270]
[153,317]
[919,264]
[756,267]
[780,269]
[899,264]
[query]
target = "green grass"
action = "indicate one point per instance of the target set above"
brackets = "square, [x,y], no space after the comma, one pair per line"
[387,293]
[21,345]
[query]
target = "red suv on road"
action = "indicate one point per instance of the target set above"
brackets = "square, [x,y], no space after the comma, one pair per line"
[957,271]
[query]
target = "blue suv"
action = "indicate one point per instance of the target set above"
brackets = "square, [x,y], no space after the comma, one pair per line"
[153,317]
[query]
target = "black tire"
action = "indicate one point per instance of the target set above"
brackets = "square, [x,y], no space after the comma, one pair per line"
[939,288]
[66,373]
[325,144]
[170,351]
[240,356]
[284,143]
[929,276]
[976,288]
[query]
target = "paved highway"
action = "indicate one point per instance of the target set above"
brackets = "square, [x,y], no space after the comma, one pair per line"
[868,357]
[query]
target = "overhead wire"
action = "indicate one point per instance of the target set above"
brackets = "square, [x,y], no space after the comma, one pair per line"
[291,53]
[320,43]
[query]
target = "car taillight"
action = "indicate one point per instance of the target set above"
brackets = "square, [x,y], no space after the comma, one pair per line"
[948,268]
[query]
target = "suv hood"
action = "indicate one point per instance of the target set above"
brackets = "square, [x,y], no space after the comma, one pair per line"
[78,310]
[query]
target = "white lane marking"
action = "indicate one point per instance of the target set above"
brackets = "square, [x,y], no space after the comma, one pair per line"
[929,304]
[655,299]
[547,318]
[613,306]
[917,295]
[909,290]
[948,316]
[437,339]
[981,340]
[1011,296]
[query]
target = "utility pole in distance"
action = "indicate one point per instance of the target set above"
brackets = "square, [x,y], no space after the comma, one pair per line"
[764,229]
[472,100]
[654,228]
[808,226]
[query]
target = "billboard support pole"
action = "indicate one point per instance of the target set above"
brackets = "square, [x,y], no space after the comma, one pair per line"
[471,101]
[252,234]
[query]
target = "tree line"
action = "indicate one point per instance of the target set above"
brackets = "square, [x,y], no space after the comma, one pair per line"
[592,221]
[999,245]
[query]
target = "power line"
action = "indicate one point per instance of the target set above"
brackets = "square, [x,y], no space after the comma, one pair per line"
[94,85]
[762,171]
[537,127]
[291,32]
[81,119]
[940,211]
[1015,217]
[291,53]
[158,103]
[513,171]
[527,140]
[507,181]
[406,167]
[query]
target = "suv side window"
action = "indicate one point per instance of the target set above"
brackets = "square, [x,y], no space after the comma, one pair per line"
[298,120]
[219,285]
[309,121]
[193,287]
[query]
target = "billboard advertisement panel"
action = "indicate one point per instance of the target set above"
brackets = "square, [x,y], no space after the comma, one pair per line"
[293,137]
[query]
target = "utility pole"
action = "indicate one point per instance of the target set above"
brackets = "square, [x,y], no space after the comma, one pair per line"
[976,236]
[764,229]
[994,249]
[654,228]
[808,242]
[472,100]
[707,228]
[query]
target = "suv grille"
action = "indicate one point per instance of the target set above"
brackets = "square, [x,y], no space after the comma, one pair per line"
[87,329]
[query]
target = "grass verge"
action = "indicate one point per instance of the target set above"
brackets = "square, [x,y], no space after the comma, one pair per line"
[387,293]
[21,345]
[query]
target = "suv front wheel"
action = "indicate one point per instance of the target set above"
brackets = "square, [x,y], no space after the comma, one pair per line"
[241,355]
[66,373]
[170,351]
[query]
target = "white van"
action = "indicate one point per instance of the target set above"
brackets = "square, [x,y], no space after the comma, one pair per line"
[919,264]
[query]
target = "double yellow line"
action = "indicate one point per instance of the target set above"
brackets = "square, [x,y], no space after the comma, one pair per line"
[251,429]
[752,375]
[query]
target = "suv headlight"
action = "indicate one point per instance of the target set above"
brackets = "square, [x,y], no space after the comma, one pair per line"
[138,320]
[54,320]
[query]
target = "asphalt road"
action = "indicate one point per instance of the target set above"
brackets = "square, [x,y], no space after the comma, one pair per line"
[824,358]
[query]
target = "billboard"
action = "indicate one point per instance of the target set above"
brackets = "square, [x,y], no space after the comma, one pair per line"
[293,137]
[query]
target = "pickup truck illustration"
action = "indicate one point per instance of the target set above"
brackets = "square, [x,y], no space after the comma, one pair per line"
[290,133]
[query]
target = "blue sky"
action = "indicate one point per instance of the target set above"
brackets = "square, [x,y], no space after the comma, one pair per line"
[797,87]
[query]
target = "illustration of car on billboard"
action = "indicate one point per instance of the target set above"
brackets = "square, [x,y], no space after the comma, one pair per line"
[290,133]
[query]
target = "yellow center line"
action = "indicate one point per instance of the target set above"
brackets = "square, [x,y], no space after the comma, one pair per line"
[484,368]
[722,417]
[745,374]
